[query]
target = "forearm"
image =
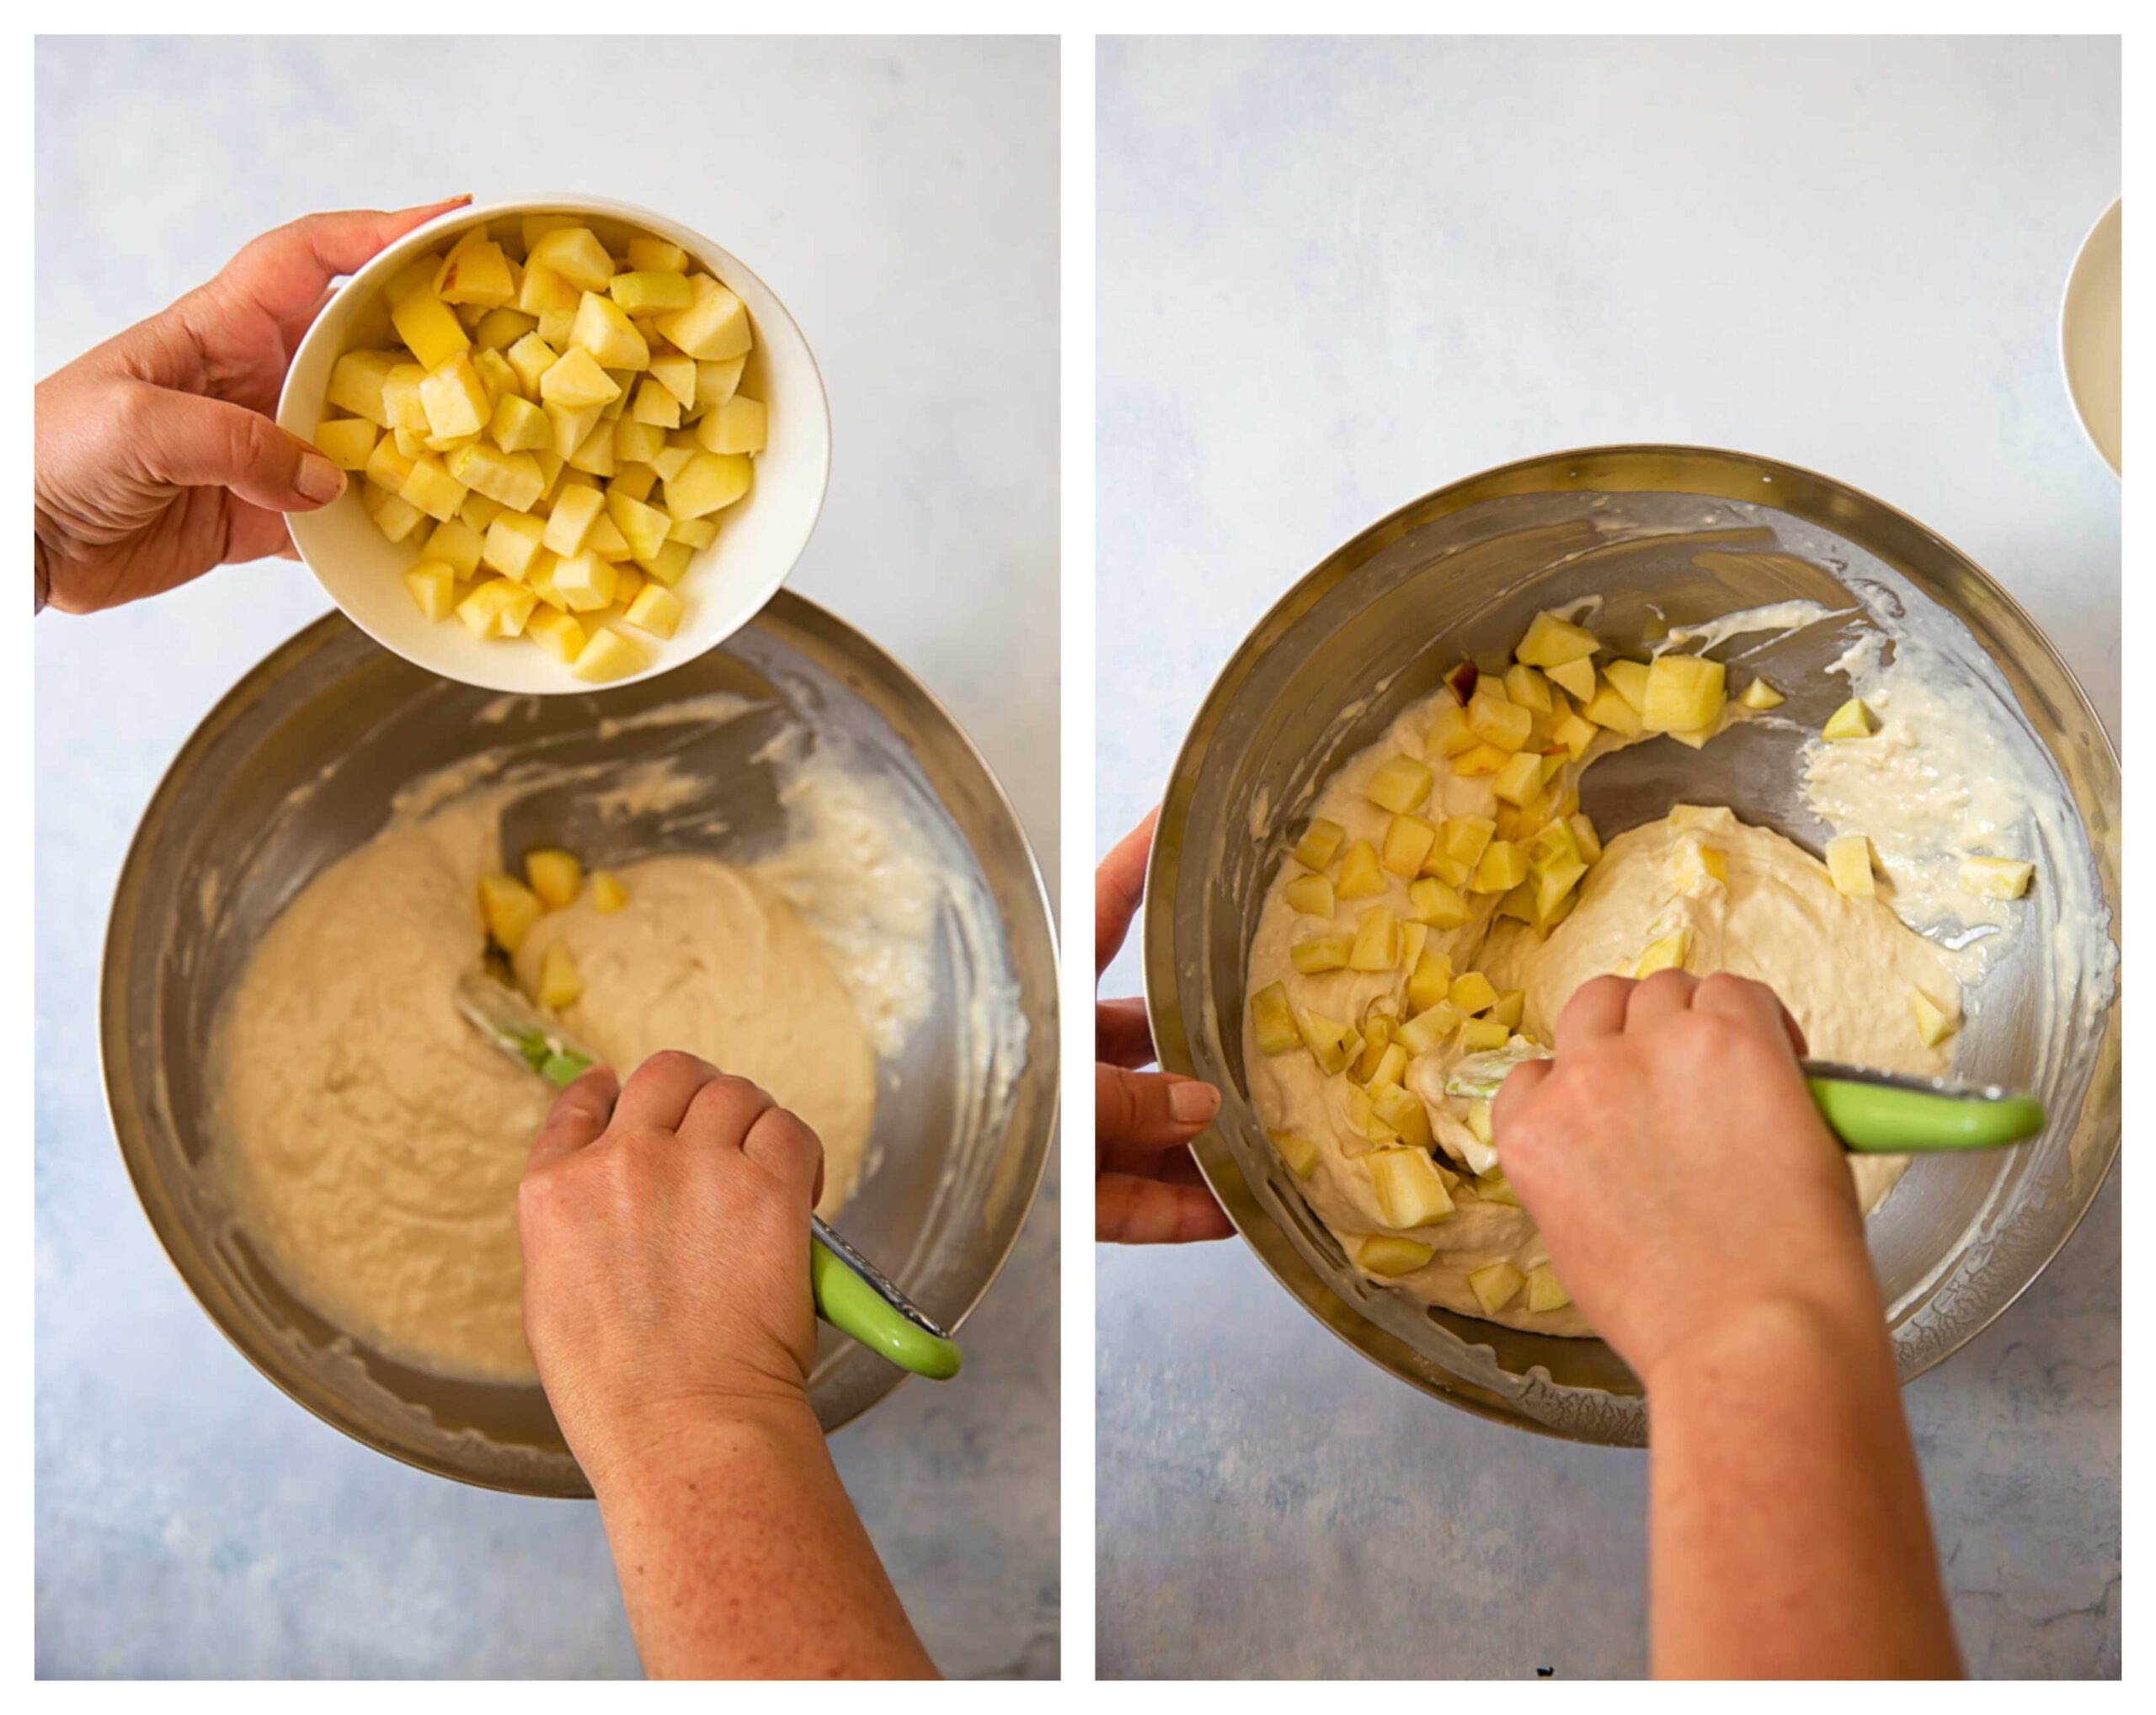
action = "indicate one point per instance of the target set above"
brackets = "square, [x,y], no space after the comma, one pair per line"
[1789,1536]
[740,1556]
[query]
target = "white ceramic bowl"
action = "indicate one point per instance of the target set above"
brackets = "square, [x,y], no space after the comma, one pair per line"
[2090,335]
[759,536]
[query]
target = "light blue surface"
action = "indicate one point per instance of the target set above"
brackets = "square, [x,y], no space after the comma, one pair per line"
[1336,276]
[902,197]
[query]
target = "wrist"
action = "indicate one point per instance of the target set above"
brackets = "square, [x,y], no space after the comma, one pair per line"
[1784,1330]
[661,1445]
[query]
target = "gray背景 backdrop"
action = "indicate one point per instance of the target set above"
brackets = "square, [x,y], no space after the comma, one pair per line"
[902,196]
[1336,274]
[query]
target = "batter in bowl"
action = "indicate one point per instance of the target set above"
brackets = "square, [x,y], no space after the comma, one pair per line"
[1700,889]
[372,1141]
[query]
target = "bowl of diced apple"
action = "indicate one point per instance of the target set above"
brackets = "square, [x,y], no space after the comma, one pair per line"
[585,444]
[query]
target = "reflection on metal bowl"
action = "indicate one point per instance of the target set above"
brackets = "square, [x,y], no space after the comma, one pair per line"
[1664,536]
[304,760]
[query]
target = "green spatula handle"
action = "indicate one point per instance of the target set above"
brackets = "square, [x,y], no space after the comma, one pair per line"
[1874,1117]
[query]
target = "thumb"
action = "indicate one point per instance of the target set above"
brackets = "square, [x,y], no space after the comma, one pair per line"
[193,442]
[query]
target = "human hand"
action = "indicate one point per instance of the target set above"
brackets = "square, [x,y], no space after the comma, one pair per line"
[665,1239]
[1146,1187]
[1679,1173]
[157,455]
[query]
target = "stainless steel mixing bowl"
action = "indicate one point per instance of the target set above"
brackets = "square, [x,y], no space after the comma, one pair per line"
[1665,536]
[302,762]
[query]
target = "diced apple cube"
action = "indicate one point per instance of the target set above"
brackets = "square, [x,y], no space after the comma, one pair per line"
[734,425]
[1666,953]
[1449,733]
[608,895]
[1407,843]
[1576,675]
[1436,903]
[655,609]
[1495,1286]
[1997,878]
[1377,941]
[429,329]
[518,425]
[1608,708]
[1684,694]
[603,328]
[1274,1021]
[355,384]
[500,607]
[576,383]
[1480,762]
[1414,937]
[1527,688]
[395,517]
[607,654]
[707,482]
[433,584]
[456,543]
[651,292]
[1464,838]
[455,400]
[1545,1291]
[1382,1254]
[1361,874]
[1297,1151]
[1310,895]
[1584,837]
[714,326]
[1556,881]
[509,909]
[716,382]
[1400,785]
[1321,952]
[656,255]
[346,441]
[1478,1034]
[1429,1030]
[576,255]
[1410,1193]
[1496,720]
[571,521]
[559,985]
[1501,868]
[1519,782]
[1431,981]
[530,358]
[584,581]
[556,632]
[1759,694]
[670,565]
[1471,993]
[1493,1187]
[655,405]
[1327,1039]
[1854,719]
[512,540]
[1551,641]
[499,329]
[1848,861]
[676,373]
[432,489]
[1319,843]
[555,875]
[1935,1024]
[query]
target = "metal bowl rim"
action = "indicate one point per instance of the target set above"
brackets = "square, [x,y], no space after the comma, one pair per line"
[317,634]
[1223,1175]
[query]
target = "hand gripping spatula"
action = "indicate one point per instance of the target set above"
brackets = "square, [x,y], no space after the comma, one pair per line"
[851,1293]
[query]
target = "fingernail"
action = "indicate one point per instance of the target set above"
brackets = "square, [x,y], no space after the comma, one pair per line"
[320,480]
[1192,1102]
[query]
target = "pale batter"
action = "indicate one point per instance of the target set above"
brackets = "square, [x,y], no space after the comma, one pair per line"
[373,1140]
[1843,965]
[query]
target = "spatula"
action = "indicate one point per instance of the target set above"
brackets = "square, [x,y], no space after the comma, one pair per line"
[1871,1112]
[851,1293]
